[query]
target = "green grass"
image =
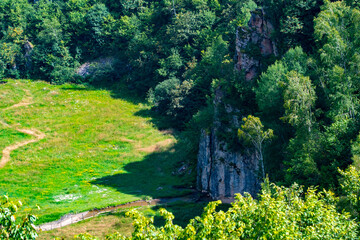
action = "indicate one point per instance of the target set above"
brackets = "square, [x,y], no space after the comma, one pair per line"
[99,226]
[95,154]
[9,136]
[109,223]
[10,94]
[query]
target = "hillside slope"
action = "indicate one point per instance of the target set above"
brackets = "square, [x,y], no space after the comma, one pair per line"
[97,151]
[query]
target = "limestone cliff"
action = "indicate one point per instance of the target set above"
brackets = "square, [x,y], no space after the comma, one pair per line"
[221,172]
[253,43]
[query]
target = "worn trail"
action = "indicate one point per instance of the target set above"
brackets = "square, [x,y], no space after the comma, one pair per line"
[74,218]
[28,100]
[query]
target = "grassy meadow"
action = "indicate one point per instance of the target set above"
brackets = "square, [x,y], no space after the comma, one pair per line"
[99,149]
[10,136]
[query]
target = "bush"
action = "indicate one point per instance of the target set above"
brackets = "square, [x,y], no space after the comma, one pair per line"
[163,93]
[279,213]
[12,229]
[64,74]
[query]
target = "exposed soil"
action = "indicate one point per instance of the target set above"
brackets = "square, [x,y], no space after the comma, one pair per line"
[7,151]
[28,100]
[157,147]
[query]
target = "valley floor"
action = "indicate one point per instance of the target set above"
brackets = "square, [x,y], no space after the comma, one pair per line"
[89,149]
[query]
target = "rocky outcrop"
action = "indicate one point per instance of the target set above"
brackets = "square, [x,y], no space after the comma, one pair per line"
[101,64]
[253,43]
[223,172]
[28,47]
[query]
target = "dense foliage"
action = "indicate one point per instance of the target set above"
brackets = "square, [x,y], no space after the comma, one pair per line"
[160,48]
[279,213]
[317,95]
[10,227]
[176,53]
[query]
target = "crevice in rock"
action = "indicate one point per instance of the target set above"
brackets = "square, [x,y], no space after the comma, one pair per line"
[223,172]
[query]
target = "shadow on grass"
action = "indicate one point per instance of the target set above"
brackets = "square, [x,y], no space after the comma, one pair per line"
[183,212]
[78,88]
[159,120]
[119,90]
[169,172]
[156,176]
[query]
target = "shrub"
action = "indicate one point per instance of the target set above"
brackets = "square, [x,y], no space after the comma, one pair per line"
[12,229]
[279,213]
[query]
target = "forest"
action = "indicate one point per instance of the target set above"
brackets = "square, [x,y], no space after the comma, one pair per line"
[175,54]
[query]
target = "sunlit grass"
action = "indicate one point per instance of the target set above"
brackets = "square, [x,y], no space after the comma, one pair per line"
[89,136]
[10,94]
[9,136]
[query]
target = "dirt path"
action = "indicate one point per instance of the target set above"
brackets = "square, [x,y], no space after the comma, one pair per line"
[74,218]
[7,151]
[28,100]
[157,146]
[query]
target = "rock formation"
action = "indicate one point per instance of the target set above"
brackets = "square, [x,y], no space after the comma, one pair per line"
[254,43]
[222,172]
[100,64]
[28,47]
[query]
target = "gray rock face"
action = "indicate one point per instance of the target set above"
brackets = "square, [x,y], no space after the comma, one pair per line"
[89,68]
[28,47]
[221,172]
[254,41]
